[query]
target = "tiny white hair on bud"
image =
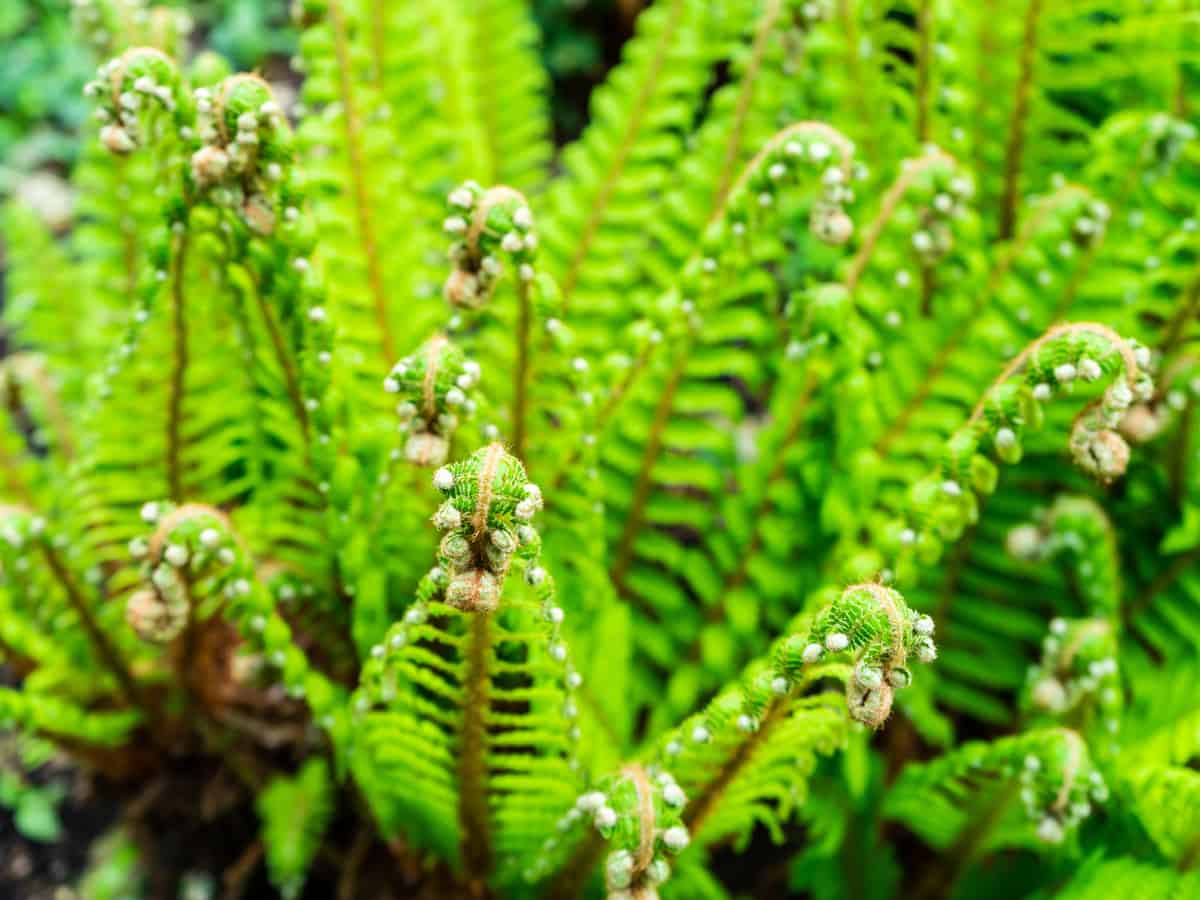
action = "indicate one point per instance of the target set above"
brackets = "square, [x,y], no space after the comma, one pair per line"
[150,512]
[1005,438]
[226,556]
[454,225]
[554,615]
[210,537]
[535,575]
[951,488]
[247,121]
[443,479]
[1050,831]
[818,150]
[701,735]
[176,555]
[813,652]
[673,795]
[591,801]
[522,217]
[511,243]
[837,642]
[1141,356]
[908,536]
[923,625]
[777,171]
[745,723]
[455,397]
[606,817]
[1064,372]
[779,684]
[676,838]
[391,385]
[1042,391]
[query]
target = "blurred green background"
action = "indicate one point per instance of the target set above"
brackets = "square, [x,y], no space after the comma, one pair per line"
[43,65]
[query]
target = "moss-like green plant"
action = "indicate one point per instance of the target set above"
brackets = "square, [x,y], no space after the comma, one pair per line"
[488,527]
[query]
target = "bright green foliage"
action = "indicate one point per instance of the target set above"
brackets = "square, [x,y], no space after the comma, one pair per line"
[507,524]
[295,812]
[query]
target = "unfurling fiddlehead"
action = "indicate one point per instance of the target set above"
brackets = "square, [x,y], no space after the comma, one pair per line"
[488,227]
[434,386]
[489,504]
[874,623]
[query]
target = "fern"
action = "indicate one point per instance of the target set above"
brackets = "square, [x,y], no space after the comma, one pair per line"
[844,328]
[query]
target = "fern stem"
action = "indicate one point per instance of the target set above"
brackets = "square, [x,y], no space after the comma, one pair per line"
[377,42]
[572,878]
[15,486]
[472,760]
[887,209]
[623,555]
[481,52]
[178,370]
[1015,147]
[358,176]
[733,147]
[940,881]
[286,364]
[698,811]
[924,48]
[1190,857]
[854,73]
[107,652]
[584,243]
[1184,313]
[521,369]
[1167,577]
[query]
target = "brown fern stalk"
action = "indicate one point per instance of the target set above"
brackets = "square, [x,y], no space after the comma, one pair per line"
[1015,147]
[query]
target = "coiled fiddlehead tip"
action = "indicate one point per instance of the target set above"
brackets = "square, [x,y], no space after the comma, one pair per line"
[488,227]
[435,387]
[872,621]
[489,505]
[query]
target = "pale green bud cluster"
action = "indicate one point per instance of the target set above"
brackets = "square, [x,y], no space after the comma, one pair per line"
[1077,677]
[490,229]
[487,514]
[435,387]
[874,624]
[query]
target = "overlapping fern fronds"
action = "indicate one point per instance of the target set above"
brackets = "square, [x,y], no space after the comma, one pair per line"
[559,521]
